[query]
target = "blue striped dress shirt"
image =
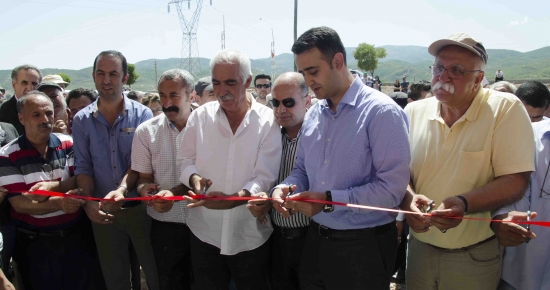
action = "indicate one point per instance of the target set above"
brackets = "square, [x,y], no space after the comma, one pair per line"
[360,153]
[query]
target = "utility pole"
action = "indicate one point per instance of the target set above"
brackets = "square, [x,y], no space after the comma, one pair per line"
[189,27]
[223,33]
[156,77]
[295,26]
[272,55]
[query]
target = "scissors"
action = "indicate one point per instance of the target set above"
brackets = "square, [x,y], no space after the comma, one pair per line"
[206,187]
[429,208]
[290,192]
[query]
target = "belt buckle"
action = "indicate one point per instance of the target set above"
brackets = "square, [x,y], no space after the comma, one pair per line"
[324,231]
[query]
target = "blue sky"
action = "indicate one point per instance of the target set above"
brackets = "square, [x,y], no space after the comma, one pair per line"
[70,33]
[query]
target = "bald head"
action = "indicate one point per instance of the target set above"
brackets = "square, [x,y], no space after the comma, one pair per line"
[292,79]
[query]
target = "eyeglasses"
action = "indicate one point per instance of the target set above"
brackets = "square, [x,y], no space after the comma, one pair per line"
[288,103]
[48,170]
[454,72]
[266,86]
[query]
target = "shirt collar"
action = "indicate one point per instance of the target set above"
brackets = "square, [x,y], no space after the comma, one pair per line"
[283,132]
[24,143]
[126,104]
[433,111]
[350,96]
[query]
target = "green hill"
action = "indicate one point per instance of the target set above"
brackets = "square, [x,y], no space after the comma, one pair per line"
[410,61]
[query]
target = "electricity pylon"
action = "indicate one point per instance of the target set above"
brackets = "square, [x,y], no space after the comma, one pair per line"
[189,25]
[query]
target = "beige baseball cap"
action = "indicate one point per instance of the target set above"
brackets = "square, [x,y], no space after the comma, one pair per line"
[460,39]
[54,79]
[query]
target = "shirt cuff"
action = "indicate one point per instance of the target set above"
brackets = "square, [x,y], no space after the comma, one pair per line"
[253,187]
[186,174]
[400,216]
[340,196]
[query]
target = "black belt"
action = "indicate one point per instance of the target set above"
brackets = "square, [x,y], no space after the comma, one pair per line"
[291,233]
[329,233]
[131,203]
[33,235]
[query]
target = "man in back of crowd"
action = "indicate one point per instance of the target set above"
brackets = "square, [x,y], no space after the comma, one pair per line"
[204,92]
[535,98]
[332,164]
[405,85]
[24,79]
[61,116]
[290,101]
[471,153]
[2,97]
[153,151]
[262,85]
[400,98]
[55,245]
[103,134]
[79,99]
[499,76]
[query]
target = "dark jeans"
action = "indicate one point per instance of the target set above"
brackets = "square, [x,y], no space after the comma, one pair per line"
[285,261]
[362,262]
[401,258]
[59,262]
[212,271]
[170,243]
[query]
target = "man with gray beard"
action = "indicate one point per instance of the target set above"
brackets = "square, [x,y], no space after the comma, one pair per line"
[471,153]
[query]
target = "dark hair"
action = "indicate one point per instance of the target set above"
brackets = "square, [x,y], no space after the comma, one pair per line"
[416,88]
[262,76]
[534,94]
[77,93]
[114,53]
[27,67]
[21,101]
[132,95]
[325,39]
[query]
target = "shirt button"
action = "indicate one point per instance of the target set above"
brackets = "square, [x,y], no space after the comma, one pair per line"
[112,134]
[325,162]
[114,166]
[328,140]
[333,118]
[323,183]
[113,150]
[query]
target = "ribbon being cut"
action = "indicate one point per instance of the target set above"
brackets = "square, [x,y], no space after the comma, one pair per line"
[202,196]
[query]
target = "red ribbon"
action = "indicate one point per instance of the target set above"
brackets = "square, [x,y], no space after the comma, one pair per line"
[202,196]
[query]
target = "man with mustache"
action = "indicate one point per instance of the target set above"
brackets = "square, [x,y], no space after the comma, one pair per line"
[60,113]
[472,153]
[103,134]
[232,147]
[153,151]
[54,240]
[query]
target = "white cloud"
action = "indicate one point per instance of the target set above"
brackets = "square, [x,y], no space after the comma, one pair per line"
[517,22]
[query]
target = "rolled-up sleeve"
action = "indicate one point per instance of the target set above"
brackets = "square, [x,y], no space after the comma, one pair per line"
[81,145]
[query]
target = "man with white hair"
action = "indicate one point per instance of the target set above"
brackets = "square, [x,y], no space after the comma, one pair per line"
[471,153]
[229,148]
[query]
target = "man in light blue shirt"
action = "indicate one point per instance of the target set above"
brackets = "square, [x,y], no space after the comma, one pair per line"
[103,134]
[354,148]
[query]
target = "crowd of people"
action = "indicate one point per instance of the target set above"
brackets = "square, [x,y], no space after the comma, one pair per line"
[246,170]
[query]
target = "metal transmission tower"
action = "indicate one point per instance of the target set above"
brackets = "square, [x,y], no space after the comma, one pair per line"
[189,25]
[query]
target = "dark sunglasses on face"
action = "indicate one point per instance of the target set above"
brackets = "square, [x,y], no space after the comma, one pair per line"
[266,86]
[289,103]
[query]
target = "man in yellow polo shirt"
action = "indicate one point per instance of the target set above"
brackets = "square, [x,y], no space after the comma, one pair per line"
[472,152]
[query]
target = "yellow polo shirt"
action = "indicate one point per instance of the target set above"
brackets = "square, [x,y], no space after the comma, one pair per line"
[493,138]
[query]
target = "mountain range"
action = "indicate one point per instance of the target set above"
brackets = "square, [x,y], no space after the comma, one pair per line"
[409,61]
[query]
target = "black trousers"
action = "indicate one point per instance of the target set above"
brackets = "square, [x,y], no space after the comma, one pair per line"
[362,262]
[212,271]
[59,262]
[170,243]
[286,255]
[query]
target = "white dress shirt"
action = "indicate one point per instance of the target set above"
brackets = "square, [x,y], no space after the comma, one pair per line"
[248,159]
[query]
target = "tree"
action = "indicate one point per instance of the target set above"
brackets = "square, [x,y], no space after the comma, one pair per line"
[132,75]
[367,56]
[65,78]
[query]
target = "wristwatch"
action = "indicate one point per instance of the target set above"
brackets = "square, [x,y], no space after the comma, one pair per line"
[328,207]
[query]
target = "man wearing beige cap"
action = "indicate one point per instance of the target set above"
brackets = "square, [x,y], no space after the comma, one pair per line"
[471,153]
[56,79]
[60,113]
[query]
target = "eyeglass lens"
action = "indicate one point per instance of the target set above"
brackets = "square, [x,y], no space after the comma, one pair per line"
[288,103]
[266,86]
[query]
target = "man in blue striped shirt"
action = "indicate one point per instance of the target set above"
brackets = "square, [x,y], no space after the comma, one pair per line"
[354,148]
[290,99]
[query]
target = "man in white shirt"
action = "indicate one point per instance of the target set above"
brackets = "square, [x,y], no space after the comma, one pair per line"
[499,76]
[153,151]
[234,147]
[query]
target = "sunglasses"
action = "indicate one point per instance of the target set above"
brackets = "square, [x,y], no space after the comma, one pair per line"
[266,86]
[288,103]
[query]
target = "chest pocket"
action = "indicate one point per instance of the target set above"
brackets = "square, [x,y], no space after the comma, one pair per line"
[125,142]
